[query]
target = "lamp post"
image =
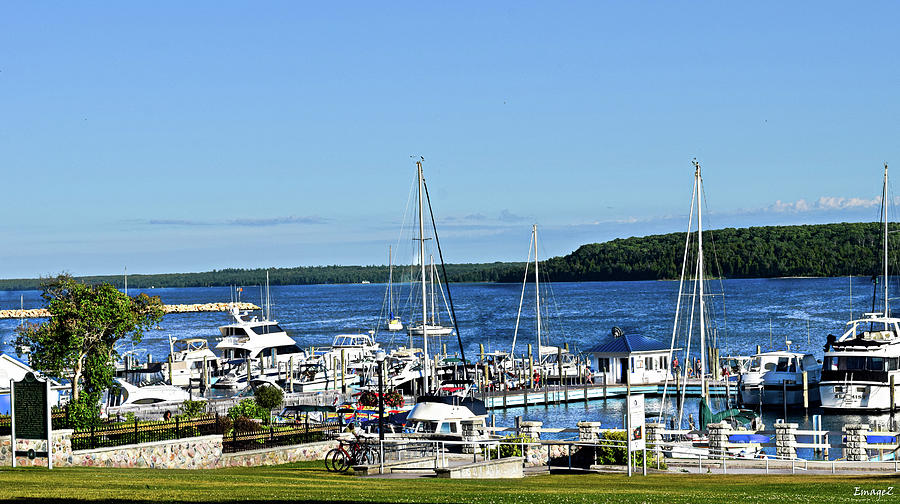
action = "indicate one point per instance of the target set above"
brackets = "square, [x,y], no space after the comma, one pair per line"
[379,358]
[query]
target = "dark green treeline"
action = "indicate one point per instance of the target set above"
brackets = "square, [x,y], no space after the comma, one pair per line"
[755,252]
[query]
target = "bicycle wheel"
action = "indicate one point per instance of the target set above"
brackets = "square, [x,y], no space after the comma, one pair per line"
[373,454]
[329,460]
[341,461]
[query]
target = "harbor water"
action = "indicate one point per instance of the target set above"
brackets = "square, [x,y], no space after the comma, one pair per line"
[763,312]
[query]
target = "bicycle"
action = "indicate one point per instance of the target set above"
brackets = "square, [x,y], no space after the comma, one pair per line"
[349,454]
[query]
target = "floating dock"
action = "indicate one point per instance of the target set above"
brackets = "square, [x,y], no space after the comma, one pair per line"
[556,394]
[173,308]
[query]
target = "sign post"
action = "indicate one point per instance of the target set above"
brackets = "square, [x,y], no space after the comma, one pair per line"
[31,418]
[635,428]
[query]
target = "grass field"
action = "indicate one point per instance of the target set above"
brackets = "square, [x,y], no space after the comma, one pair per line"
[309,482]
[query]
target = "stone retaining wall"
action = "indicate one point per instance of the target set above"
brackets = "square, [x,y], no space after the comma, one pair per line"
[202,452]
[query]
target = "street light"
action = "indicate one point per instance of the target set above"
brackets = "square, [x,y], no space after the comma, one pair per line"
[379,358]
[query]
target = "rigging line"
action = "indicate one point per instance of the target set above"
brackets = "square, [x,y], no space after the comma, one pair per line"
[521,298]
[687,241]
[437,242]
[720,274]
[548,286]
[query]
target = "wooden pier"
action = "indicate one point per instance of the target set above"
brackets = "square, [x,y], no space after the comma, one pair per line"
[560,394]
[173,308]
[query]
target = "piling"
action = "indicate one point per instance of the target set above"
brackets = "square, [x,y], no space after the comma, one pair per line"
[567,346]
[444,349]
[893,395]
[170,371]
[758,349]
[203,383]
[544,386]
[805,391]
[291,374]
[249,363]
[604,386]
[343,370]
[559,370]
[530,368]
[481,350]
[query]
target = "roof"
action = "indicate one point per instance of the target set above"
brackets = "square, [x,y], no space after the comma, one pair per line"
[630,343]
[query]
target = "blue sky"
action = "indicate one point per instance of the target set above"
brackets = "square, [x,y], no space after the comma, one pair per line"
[173,136]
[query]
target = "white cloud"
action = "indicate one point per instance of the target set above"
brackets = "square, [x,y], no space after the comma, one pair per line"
[823,203]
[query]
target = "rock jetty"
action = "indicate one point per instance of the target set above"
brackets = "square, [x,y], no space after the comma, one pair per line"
[175,308]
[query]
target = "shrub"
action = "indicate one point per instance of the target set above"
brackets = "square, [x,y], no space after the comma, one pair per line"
[509,450]
[224,424]
[247,408]
[268,397]
[616,455]
[191,409]
[244,424]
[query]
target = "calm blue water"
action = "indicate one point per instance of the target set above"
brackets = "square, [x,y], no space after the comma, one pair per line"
[581,314]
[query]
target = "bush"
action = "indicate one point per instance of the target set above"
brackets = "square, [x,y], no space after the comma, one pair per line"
[224,424]
[509,450]
[616,455]
[247,408]
[268,397]
[244,424]
[192,409]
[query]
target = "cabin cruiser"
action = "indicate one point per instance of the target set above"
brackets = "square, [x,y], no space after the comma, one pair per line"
[187,361]
[126,394]
[776,378]
[441,417]
[255,347]
[858,366]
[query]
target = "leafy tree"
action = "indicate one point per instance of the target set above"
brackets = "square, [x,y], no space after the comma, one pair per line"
[80,337]
[268,397]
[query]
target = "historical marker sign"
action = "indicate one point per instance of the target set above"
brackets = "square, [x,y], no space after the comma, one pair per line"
[30,401]
[30,408]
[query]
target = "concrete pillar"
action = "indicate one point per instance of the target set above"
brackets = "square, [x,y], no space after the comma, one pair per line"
[534,455]
[469,435]
[855,445]
[786,440]
[718,438]
[531,429]
[589,432]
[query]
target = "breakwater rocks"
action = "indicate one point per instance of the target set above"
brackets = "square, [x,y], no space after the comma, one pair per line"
[175,308]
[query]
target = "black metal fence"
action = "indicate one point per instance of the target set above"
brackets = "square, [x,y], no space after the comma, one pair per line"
[133,432]
[279,435]
[111,433]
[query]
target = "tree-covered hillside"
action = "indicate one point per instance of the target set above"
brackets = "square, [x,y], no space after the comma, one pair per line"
[770,251]
[755,252]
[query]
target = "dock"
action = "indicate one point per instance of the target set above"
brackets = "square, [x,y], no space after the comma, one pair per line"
[561,394]
[169,308]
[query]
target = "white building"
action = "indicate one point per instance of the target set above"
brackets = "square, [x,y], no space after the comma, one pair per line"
[646,360]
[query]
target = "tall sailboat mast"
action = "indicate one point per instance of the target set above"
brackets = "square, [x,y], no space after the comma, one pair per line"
[537,292]
[700,273]
[390,281]
[884,204]
[422,264]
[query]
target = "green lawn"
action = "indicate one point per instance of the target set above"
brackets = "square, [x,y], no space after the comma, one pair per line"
[310,482]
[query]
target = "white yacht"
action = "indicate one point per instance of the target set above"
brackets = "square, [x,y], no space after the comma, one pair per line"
[126,394]
[261,344]
[188,356]
[858,366]
[776,378]
[441,417]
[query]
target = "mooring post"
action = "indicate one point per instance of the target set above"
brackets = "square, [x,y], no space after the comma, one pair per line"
[805,391]
[893,394]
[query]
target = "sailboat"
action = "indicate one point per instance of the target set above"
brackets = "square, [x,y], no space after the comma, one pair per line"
[698,306]
[863,364]
[393,323]
[552,360]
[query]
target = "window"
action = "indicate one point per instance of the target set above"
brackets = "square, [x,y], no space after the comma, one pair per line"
[267,329]
[893,363]
[663,362]
[235,331]
[445,428]
[875,363]
[287,349]
[648,363]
